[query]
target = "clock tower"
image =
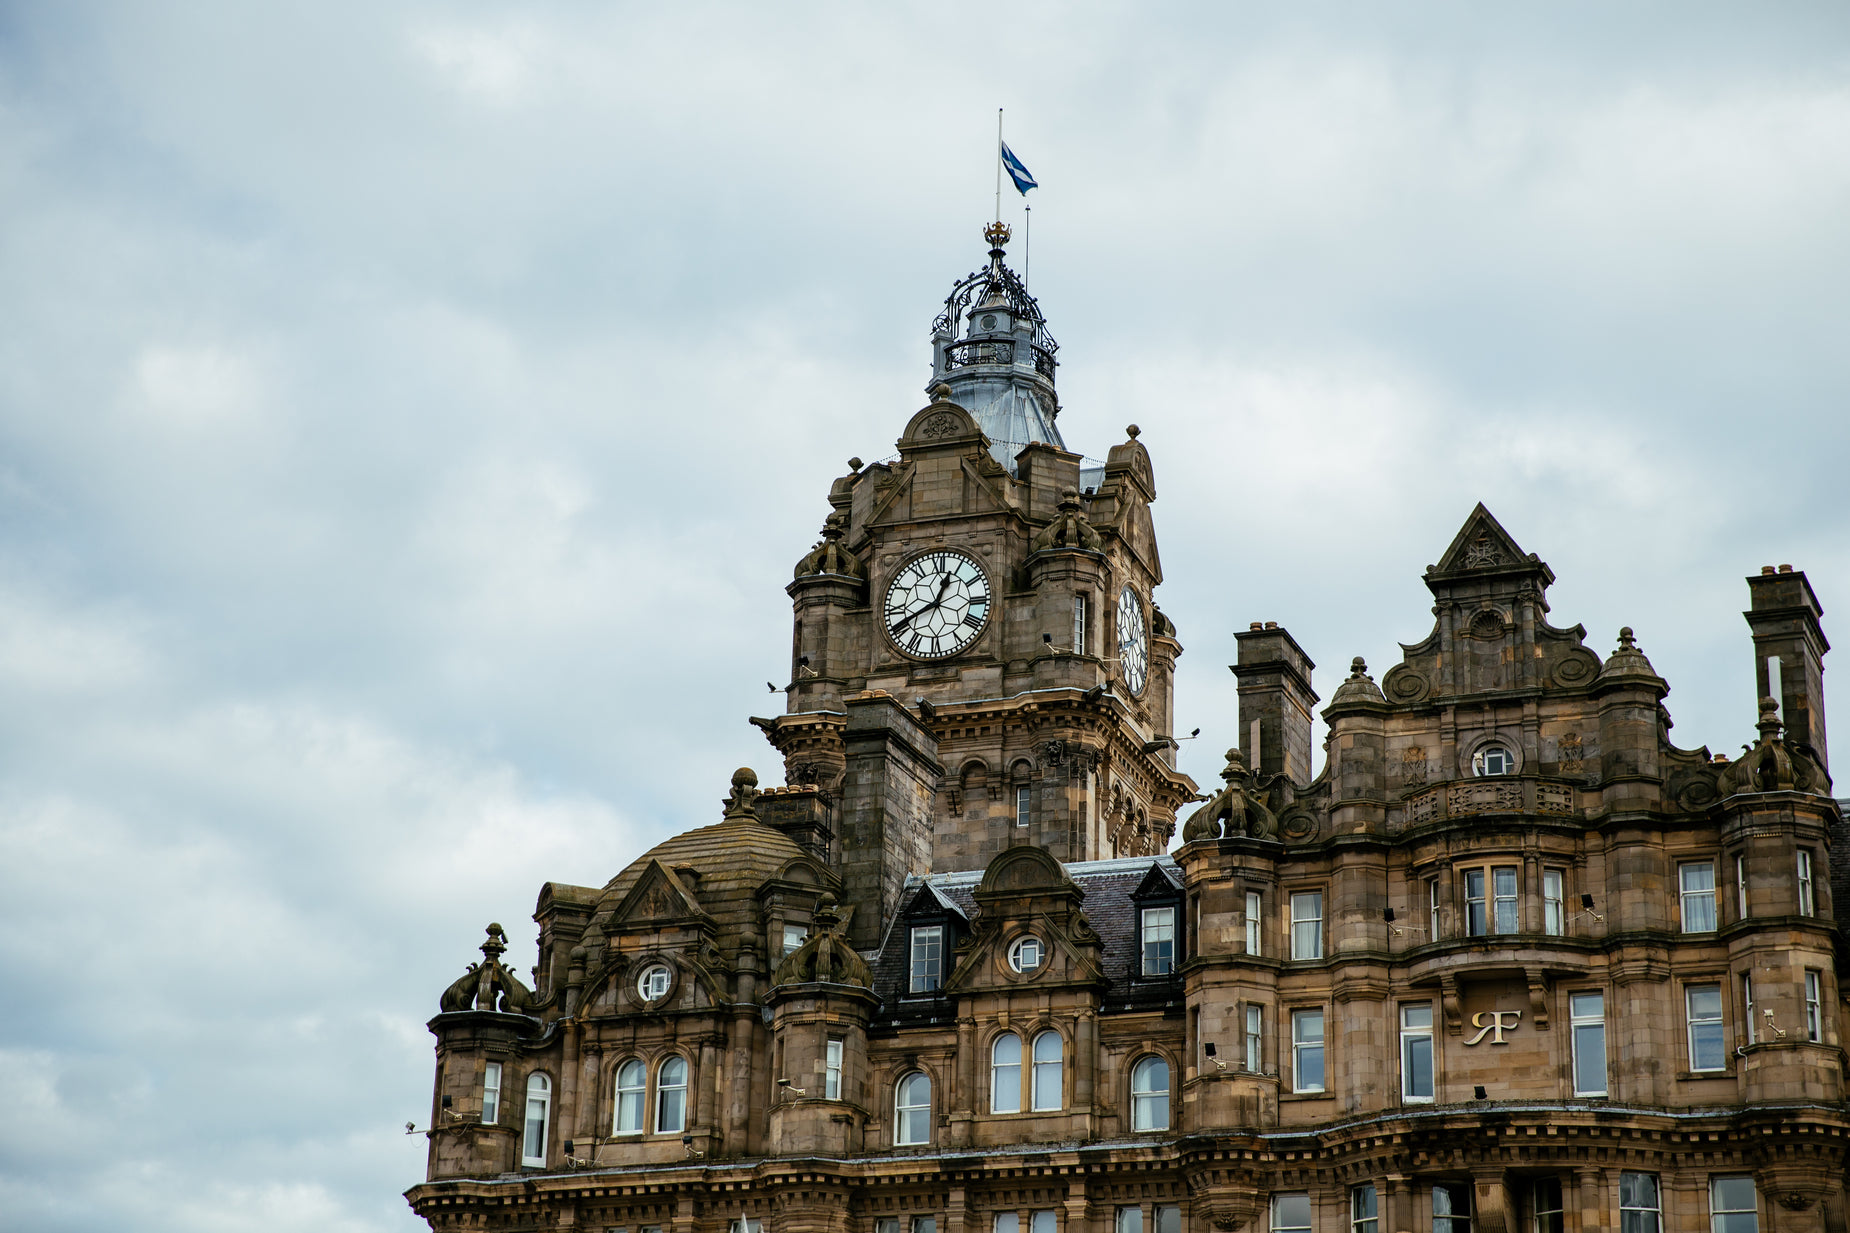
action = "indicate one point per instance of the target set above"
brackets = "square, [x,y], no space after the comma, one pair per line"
[977,658]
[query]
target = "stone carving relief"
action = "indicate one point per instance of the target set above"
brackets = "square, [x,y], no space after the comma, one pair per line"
[1483,552]
[942,424]
[1413,765]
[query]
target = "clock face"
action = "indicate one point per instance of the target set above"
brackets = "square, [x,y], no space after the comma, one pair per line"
[937,604]
[1133,641]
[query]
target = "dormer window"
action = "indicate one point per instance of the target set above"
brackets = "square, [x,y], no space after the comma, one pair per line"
[927,958]
[794,937]
[1025,954]
[1494,760]
[1159,941]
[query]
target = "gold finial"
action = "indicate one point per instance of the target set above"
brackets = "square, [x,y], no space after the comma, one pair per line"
[997,234]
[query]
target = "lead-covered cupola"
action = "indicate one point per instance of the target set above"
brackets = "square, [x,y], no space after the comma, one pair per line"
[991,346]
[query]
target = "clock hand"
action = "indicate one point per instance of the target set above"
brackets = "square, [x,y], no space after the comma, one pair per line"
[943,586]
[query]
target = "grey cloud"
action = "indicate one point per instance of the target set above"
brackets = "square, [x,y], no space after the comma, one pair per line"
[410,414]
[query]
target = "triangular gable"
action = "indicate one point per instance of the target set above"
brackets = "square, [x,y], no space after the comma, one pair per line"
[1157,884]
[931,902]
[1482,543]
[898,489]
[657,896]
[984,485]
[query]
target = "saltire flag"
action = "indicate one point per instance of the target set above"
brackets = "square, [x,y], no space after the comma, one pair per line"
[1018,171]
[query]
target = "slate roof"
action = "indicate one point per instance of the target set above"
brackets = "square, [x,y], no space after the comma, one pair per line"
[1107,907]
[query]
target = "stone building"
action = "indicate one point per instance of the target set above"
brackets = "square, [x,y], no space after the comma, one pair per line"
[1508,959]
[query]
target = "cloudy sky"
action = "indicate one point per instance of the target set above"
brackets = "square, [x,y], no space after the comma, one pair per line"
[410,413]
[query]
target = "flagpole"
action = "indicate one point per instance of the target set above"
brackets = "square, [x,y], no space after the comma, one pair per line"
[1027,240]
[998,164]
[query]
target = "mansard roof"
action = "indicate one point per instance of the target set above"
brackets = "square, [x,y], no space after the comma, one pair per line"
[1110,892]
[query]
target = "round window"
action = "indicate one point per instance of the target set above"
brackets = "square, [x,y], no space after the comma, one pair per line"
[653,983]
[1025,955]
[1494,760]
[989,321]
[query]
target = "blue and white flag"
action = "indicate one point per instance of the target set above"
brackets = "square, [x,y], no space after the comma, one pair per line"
[1018,172]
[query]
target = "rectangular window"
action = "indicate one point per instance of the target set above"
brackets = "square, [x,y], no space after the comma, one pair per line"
[1697,882]
[831,1073]
[1130,1220]
[1550,1216]
[1740,887]
[1159,941]
[747,1226]
[1814,1006]
[924,1224]
[1255,918]
[1587,1016]
[1307,925]
[1554,918]
[1503,881]
[1747,1005]
[1254,1036]
[1703,1006]
[1006,1222]
[491,1094]
[1291,1213]
[1733,1205]
[794,937]
[1044,1222]
[1364,1210]
[1307,1050]
[1432,909]
[1640,1209]
[1168,1219]
[1477,915]
[1451,1209]
[1416,1077]
[1079,625]
[927,958]
[1807,905]
[886,1224]
[1023,805]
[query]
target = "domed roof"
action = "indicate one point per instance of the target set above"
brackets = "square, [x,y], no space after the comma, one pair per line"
[729,861]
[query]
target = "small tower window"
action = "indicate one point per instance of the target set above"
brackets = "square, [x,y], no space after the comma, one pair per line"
[1024,798]
[1025,955]
[1079,625]
[1494,760]
[491,1094]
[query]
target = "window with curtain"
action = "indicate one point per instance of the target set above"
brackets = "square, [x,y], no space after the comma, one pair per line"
[1005,1074]
[671,1097]
[1703,1012]
[539,1120]
[1364,1209]
[1150,1094]
[631,1077]
[1451,1208]
[1696,888]
[1291,1213]
[912,1110]
[1307,925]
[1734,1207]
[1049,1050]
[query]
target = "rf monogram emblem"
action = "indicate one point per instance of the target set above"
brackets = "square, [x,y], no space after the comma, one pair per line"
[1501,1021]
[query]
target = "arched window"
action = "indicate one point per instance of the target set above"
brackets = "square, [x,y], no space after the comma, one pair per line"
[1005,1074]
[671,1097]
[1048,1049]
[912,1110]
[539,1120]
[631,1081]
[1150,1095]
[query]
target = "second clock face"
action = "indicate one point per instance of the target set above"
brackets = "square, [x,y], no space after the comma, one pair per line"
[937,604]
[1133,641]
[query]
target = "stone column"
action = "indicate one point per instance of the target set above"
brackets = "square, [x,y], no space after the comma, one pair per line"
[1592,1203]
[1085,1061]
